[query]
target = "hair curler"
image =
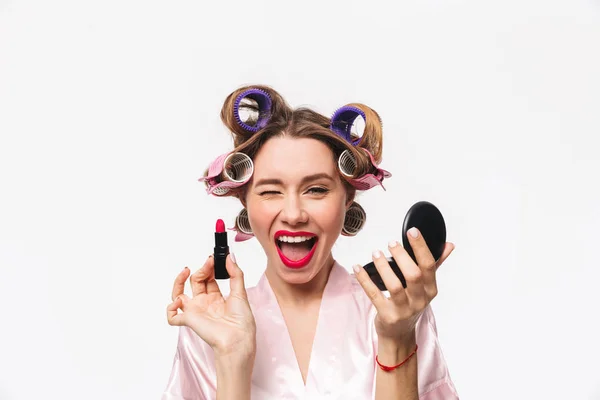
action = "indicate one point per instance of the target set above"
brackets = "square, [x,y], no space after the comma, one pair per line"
[263,100]
[242,227]
[355,219]
[347,166]
[228,171]
[343,119]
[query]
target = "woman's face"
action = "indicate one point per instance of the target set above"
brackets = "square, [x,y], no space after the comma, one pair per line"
[296,204]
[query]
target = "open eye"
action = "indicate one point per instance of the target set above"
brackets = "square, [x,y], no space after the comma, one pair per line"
[318,190]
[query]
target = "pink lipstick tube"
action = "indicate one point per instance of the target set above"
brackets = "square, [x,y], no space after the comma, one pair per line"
[221,251]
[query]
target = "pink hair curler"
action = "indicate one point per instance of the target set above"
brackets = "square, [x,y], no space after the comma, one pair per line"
[228,171]
[241,236]
[347,166]
[242,227]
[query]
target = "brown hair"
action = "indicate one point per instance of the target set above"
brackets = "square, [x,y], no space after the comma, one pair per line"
[301,122]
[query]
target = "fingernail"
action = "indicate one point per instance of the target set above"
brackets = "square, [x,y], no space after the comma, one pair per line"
[414,232]
[232,257]
[356,268]
[376,254]
[393,243]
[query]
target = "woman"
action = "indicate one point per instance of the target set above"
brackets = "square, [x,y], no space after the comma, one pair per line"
[309,329]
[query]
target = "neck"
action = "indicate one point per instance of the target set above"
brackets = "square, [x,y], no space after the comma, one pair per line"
[300,294]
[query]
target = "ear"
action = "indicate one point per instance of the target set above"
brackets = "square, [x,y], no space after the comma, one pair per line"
[241,195]
[350,198]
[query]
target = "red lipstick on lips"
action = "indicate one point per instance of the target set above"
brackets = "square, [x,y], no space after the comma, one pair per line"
[296,263]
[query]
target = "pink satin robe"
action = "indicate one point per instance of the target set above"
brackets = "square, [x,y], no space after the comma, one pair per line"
[342,363]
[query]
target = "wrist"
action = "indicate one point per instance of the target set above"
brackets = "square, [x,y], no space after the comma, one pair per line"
[237,350]
[234,369]
[393,351]
[239,356]
[231,364]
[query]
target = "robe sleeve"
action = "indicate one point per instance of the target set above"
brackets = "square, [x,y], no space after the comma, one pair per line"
[434,379]
[433,376]
[193,375]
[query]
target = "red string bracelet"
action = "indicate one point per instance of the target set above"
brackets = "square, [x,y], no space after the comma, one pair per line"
[386,368]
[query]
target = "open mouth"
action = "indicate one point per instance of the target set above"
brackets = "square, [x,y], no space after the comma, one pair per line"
[295,248]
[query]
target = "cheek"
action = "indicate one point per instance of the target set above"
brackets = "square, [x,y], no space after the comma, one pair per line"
[260,214]
[327,214]
[330,217]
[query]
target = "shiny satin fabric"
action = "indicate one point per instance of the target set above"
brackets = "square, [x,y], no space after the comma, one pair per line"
[342,363]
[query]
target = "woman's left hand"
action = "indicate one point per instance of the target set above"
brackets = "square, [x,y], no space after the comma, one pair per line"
[397,315]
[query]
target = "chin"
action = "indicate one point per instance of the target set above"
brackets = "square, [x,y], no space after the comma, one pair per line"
[298,276]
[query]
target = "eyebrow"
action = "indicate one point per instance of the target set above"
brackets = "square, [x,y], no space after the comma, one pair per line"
[307,178]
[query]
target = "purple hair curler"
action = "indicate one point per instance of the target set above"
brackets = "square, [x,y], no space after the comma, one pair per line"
[342,121]
[263,100]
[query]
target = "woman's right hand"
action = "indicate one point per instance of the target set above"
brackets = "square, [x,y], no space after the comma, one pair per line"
[228,326]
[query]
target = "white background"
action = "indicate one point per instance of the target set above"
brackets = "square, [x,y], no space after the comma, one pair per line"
[109,112]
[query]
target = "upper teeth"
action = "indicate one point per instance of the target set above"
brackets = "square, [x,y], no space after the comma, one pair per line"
[294,239]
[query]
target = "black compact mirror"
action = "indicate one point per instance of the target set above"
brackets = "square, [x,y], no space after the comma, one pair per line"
[428,219]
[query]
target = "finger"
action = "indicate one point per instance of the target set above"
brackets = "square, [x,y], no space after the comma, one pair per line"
[389,278]
[212,286]
[236,277]
[179,284]
[372,291]
[412,273]
[211,283]
[448,249]
[431,287]
[198,279]
[420,249]
[173,317]
[183,298]
[425,260]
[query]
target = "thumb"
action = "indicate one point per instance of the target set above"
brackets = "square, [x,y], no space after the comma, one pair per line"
[236,276]
[448,249]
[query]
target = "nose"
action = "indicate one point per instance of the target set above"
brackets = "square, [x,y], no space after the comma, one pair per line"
[293,212]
